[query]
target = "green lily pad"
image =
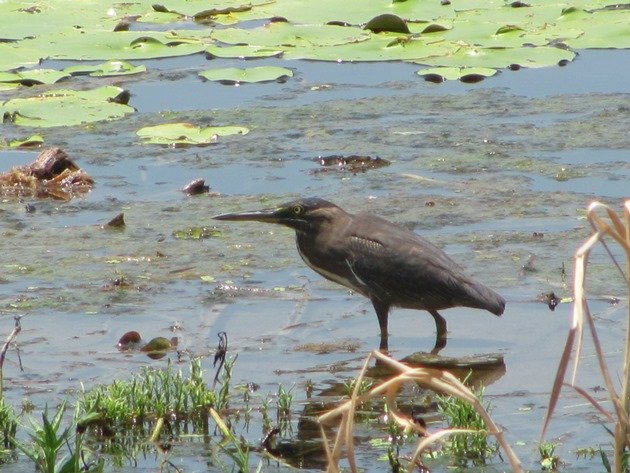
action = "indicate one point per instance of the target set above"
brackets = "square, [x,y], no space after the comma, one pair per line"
[106,69]
[469,56]
[66,107]
[186,134]
[34,76]
[243,51]
[462,33]
[121,45]
[30,142]
[466,74]
[387,22]
[285,35]
[198,9]
[234,75]
[381,47]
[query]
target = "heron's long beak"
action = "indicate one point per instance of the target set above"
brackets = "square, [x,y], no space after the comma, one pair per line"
[268,216]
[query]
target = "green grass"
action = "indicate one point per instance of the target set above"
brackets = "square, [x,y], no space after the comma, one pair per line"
[150,395]
[472,447]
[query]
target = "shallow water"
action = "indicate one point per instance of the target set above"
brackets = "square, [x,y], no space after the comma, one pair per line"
[522,153]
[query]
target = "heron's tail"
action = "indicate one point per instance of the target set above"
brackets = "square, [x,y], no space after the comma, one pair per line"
[486,298]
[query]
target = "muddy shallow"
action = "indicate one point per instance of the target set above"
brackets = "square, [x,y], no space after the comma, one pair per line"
[478,169]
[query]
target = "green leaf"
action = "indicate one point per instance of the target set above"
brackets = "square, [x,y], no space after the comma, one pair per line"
[186,134]
[106,69]
[66,107]
[243,51]
[34,76]
[457,73]
[469,56]
[234,75]
[34,140]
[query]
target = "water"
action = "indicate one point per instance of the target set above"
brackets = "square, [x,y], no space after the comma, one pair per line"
[473,167]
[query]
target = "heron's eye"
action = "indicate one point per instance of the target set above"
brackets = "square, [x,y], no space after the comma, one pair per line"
[297,210]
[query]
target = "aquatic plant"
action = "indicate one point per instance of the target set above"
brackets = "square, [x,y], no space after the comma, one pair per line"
[617,229]
[548,458]
[150,395]
[237,449]
[472,445]
[48,438]
[437,380]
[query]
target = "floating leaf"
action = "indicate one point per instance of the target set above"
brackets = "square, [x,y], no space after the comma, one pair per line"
[109,68]
[34,76]
[456,73]
[186,134]
[387,22]
[501,58]
[234,75]
[30,142]
[65,107]
[288,36]
[242,51]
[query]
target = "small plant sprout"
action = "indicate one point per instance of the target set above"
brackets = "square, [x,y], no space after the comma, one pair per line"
[363,387]
[264,411]
[284,401]
[549,461]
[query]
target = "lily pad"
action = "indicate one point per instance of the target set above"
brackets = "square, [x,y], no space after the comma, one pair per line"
[235,75]
[469,56]
[456,73]
[66,107]
[34,76]
[186,134]
[287,36]
[106,69]
[30,142]
[242,51]
[122,45]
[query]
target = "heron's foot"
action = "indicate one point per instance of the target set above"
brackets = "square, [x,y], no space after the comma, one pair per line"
[383,346]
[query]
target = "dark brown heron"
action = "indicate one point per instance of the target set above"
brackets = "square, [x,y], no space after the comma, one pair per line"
[387,263]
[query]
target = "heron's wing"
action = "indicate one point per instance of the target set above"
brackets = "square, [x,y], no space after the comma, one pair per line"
[403,268]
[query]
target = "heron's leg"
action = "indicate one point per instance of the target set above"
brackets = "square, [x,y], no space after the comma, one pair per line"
[382,312]
[440,325]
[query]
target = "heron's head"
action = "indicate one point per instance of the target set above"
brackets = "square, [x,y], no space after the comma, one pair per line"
[302,215]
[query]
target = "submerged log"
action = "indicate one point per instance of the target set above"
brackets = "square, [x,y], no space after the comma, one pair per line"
[52,175]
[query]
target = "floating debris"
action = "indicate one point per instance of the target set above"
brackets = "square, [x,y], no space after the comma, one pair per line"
[117,222]
[550,299]
[52,175]
[353,163]
[196,187]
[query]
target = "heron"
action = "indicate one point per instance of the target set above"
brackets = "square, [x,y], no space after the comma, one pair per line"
[387,263]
